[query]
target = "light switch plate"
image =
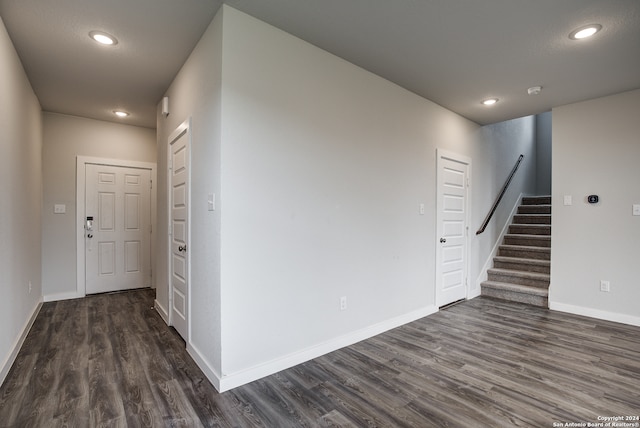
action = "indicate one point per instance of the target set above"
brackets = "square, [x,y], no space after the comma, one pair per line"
[636,209]
[568,200]
[211,202]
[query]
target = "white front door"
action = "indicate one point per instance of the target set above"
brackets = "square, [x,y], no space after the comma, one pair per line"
[118,228]
[452,227]
[179,230]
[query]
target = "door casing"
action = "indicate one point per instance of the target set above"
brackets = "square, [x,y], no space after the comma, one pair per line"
[81,161]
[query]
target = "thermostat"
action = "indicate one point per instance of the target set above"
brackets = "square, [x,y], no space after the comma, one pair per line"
[593,199]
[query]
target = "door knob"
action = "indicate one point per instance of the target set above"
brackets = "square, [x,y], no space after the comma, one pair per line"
[182,249]
[443,240]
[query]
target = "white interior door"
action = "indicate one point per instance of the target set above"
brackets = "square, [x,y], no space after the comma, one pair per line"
[117,228]
[452,227]
[179,230]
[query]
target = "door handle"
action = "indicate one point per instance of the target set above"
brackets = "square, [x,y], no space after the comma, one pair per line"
[182,249]
[443,240]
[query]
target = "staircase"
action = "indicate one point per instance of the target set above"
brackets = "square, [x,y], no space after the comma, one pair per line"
[521,270]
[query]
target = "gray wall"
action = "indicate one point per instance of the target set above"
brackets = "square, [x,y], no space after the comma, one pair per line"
[543,153]
[596,151]
[319,168]
[65,138]
[20,202]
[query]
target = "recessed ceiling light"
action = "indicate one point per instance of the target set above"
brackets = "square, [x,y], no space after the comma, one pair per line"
[490,101]
[534,90]
[584,32]
[120,113]
[103,38]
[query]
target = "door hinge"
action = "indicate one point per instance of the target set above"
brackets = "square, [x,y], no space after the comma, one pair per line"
[468,181]
[150,184]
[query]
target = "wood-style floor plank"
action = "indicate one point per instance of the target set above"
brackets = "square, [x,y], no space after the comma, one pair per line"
[110,361]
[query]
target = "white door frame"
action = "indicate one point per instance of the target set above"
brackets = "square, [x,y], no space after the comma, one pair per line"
[183,128]
[81,161]
[466,161]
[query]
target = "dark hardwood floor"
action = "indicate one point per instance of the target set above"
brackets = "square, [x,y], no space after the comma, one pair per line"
[109,360]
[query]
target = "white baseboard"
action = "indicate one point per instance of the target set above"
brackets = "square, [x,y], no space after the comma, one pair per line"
[474,293]
[595,313]
[161,310]
[233,380]
[494,251]
[62,296]
[15,348]
[211,374]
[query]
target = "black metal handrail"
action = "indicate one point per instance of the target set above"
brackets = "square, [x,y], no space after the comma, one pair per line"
[499,198]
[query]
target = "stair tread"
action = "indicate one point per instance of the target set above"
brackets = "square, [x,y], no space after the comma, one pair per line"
[523,260]
[529,229]
[524,276]
[537,208]
[527,240]
[524,235]
[526,247]
[517,288]
[527,199]
[520,273]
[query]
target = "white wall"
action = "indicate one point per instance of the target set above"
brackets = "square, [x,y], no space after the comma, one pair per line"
[323,167]
[195,95]
[21,202]
[65,138]
[318,168]
[596,151]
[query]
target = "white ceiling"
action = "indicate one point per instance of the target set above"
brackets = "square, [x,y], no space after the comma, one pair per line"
[453,52]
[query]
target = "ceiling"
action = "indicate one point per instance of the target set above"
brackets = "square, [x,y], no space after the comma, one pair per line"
[453,52]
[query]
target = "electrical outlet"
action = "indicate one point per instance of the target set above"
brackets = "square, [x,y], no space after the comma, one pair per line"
[605,286]
[343,303]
